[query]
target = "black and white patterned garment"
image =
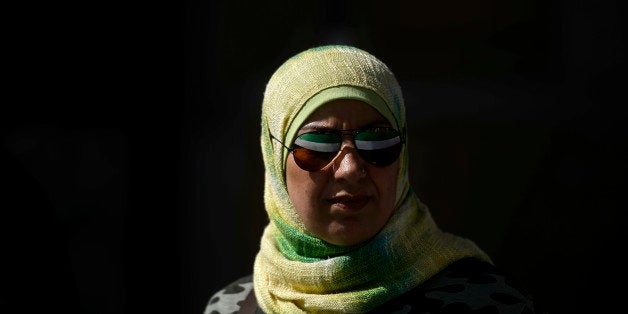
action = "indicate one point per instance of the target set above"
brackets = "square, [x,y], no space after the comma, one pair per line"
[467,286]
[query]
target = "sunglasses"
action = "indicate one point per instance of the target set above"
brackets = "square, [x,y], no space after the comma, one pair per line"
[379,146]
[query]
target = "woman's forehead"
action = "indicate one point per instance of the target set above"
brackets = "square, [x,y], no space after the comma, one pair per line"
[342,113]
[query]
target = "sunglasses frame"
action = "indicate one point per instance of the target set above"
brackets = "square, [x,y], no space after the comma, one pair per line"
[342,134]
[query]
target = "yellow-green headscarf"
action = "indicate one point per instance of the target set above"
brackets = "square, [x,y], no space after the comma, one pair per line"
[297,272]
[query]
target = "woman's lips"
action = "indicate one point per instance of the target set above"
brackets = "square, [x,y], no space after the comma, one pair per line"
[349,203]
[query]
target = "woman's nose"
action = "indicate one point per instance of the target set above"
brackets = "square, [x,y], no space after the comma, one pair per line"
[348,165]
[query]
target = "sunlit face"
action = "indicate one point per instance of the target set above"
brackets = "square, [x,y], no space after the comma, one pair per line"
[348,201]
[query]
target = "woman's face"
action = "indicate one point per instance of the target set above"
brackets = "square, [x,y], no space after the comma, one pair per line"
[349,200]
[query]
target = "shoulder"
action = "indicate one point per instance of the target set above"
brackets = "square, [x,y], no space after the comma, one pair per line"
[467,286]
[229,299]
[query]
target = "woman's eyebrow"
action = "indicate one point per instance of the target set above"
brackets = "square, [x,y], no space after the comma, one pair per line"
[315,125]
[318,126]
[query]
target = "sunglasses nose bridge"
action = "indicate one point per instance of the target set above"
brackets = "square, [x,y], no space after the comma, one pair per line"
[348,140]
[348,147]
[348,136]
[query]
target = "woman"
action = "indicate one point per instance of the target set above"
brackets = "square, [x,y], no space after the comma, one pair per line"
[347,233]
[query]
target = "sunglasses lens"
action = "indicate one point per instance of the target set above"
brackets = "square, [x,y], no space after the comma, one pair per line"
[380,147]
[313,151]
[381,157]
[311,160]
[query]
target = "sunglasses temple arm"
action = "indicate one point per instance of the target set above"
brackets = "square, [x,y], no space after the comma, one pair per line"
[280,142]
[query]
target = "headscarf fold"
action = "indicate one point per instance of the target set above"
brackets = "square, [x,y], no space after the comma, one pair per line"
[295,271]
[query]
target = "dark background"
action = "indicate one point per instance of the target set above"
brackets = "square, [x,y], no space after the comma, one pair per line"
[131,168]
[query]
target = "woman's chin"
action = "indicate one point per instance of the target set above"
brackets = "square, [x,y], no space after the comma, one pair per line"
[346,232]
